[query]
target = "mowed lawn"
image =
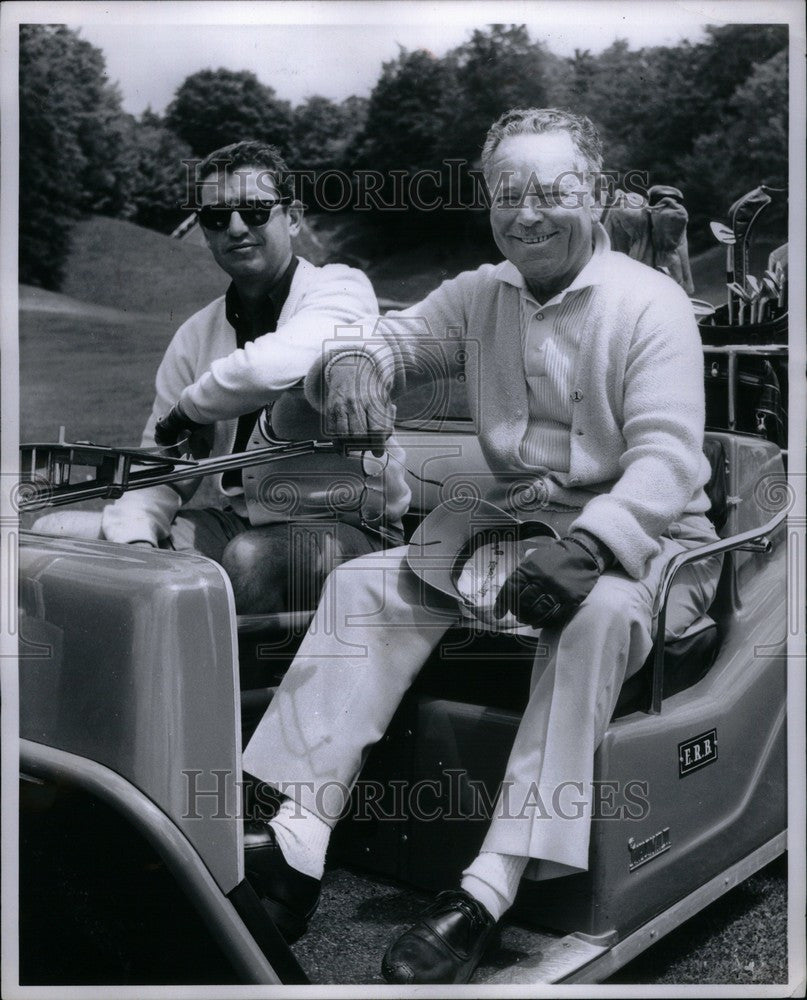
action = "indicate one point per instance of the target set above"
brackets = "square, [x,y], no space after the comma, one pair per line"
[88,357]
[93,377]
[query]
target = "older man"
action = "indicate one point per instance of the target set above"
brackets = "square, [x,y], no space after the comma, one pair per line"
[281,307]
[586,384]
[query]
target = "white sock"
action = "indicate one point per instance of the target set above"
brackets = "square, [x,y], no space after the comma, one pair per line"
[302,837]
[493,880]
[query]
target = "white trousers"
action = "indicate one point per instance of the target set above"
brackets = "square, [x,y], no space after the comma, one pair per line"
[375,627]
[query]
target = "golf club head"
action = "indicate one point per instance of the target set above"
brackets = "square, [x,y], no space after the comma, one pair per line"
[770,286]
[737,289]
[753,285]
[658,192]
[745,210]
[722,233]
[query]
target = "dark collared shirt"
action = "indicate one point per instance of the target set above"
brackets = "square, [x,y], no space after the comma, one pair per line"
[270,312]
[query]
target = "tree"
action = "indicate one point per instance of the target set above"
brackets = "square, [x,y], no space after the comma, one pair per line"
[213,108]
[405,123]
[497,69]
[160,180]
[677,113]
[324,131]
[749,147]
[72,156]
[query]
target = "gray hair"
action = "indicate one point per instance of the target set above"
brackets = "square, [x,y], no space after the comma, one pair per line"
[534,121]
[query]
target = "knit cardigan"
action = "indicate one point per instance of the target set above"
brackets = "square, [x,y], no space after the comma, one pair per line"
[217,383]
[637,463]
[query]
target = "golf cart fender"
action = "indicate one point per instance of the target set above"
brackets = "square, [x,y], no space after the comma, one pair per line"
[128,658]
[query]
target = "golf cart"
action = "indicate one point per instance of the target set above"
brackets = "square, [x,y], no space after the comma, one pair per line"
[139,684]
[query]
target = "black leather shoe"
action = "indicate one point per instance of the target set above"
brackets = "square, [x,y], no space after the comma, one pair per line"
[289,897]
[445,945]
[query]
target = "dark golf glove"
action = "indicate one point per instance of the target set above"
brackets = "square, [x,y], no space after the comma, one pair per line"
[176,426]
[553,581]
[358,410]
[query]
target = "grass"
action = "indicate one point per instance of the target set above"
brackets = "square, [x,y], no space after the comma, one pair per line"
[94,377]
[118,264]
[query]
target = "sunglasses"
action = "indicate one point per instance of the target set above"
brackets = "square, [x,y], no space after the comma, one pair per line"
[255,213]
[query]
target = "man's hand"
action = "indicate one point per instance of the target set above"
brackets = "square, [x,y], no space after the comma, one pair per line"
[175,426]
[358,410]
[552,582]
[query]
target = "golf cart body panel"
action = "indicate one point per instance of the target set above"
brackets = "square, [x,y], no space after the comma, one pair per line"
[59,769]
[129,658]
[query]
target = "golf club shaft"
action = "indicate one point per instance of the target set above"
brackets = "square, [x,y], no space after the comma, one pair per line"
[730,282]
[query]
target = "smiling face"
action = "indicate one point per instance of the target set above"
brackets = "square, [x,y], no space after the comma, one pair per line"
[541,213]
[254,256]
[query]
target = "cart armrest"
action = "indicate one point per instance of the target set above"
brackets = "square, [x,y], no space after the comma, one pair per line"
[753,540]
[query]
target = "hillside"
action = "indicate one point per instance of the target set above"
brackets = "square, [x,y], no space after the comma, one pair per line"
[132,269]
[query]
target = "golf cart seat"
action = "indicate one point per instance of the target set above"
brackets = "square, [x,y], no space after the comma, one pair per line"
[466,666]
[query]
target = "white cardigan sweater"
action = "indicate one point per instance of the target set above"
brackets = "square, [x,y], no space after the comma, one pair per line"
[636,463]
[217,383]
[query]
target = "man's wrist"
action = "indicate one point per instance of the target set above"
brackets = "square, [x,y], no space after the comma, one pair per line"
[360,361]
[180,418]
[598,550]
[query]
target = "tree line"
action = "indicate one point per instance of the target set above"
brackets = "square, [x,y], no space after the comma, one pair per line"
[709,117]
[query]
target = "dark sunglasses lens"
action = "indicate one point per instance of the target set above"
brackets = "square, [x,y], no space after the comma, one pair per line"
[217,217]
[214,218]
[255,216]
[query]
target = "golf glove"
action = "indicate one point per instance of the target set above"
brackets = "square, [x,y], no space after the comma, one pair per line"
[552,582]
[176,426]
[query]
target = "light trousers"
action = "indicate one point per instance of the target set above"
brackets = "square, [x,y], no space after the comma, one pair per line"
[376,626]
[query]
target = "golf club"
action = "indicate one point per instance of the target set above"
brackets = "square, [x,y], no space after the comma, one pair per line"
[781,278]
[743,298]
[742,215]
[754,289]
[725,236]
[770,287]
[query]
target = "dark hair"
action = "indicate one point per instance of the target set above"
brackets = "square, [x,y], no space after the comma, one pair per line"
[249,153]
[527,121]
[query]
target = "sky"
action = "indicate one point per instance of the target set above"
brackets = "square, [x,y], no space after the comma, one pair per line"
[337,49]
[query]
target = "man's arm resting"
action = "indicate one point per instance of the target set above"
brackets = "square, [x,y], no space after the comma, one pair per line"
[251,376]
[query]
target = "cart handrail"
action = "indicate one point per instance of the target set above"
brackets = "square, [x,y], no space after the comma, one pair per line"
[743,540]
